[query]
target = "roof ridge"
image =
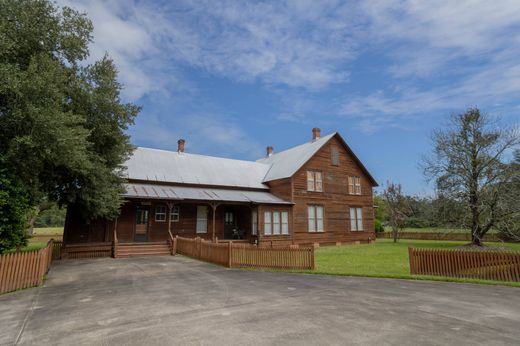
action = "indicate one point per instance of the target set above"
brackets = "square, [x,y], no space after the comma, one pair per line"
[199,155]
[298,146]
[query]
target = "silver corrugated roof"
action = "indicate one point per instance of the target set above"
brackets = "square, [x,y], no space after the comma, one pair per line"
[170,166]
[285,163]
[200,194]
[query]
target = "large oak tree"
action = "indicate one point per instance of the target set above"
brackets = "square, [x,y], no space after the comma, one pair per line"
[469,166]
[62,122]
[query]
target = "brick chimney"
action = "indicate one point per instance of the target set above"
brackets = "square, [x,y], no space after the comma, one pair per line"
[316,132]
[269,151]
[180,146]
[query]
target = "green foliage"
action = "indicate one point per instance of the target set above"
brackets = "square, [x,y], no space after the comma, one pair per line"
[14,207]
[52,217]
[62,123]
[378,226]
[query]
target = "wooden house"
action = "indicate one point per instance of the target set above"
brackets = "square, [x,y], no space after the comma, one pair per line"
[316,193]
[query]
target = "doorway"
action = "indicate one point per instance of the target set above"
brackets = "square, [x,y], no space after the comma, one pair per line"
[141,223]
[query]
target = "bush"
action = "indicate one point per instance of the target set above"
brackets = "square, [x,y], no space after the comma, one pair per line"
[14,206]
[378,226]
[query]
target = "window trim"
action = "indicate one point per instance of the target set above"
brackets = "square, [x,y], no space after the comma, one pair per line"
[358,219]
[313,174]
[197,218]
[164,213]
[276,228]
[354,185]
[316,228]
[177,213]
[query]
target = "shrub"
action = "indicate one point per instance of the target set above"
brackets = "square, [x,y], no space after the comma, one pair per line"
[378,226]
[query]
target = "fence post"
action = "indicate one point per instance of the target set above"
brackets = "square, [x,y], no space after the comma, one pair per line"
[313,259]
[230,254]
[410,258]
[199,249]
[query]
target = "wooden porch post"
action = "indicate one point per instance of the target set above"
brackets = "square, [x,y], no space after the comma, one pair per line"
[214,209]
[170,205]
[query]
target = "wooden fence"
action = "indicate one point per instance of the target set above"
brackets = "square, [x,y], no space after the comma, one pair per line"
[436,236]
[25,269]
[465,263]
[246,255]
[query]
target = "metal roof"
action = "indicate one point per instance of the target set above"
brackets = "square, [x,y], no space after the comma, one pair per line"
[168,192]
[170,166]
[285,163]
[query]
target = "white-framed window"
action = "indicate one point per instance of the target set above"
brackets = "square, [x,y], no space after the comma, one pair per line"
[354,185]
[334,155]
[285,222]
[254,222]
[202,219]
[267,223]
[314,181]
[276,223]
[160,213]
[315,218]
[356,219]
[175,213]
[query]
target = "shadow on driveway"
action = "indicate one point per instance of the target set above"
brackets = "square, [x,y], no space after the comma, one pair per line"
[176,300]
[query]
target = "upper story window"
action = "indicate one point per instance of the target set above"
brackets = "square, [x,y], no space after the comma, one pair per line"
[314,181]
[175,213]
[334,155]
[160,213]
[354,185]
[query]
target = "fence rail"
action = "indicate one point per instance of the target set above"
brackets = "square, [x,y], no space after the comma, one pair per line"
[25,269]
[479,264]
[246,255]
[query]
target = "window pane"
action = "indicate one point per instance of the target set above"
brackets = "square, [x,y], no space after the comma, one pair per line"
[319,218]
[310,181]
[276,222]
[311,218]
[202,219]
[160,213]
[353,224]
[285,222]
[254,217]
[351,185]
[319,182]
[359,219]
[174,215]
[267,222]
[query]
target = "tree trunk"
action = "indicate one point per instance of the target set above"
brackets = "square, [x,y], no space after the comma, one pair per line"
[476,239]
[394,234]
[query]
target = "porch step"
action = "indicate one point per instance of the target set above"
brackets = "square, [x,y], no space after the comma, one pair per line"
[143,249]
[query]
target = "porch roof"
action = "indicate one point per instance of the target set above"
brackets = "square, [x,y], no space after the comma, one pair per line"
[169,192]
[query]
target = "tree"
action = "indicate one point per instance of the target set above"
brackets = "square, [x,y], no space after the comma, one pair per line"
[397,207]
[509,204]
[14,206]
[468,167]
[62,122]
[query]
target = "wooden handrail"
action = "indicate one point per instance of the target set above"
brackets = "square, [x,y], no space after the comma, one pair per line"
[173,243]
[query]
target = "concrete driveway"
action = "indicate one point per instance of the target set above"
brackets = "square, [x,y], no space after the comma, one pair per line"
[176,300]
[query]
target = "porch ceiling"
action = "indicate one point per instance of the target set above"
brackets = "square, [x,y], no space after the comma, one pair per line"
[200,194]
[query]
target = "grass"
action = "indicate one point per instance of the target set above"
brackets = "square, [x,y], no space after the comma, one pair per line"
[36,245]
[435,230]
[48,231]
[387,260]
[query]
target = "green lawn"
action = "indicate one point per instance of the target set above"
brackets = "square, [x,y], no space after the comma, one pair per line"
[435,230]
[386,259]
[48,231]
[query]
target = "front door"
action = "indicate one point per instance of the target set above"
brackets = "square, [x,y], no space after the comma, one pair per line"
[141,223]
[230,229]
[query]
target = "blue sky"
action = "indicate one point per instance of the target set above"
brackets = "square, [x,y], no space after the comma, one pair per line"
[232,77]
